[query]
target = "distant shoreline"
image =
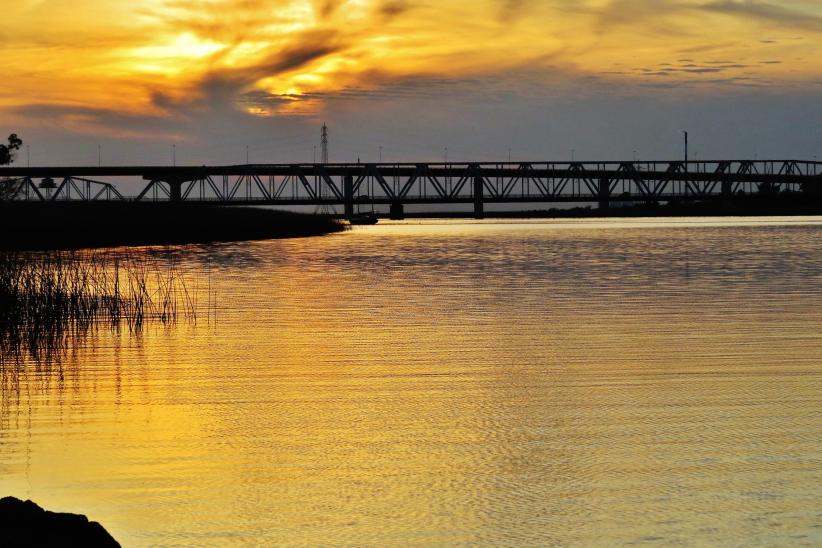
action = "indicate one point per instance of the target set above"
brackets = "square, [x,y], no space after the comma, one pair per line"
[77,225]
[753,207]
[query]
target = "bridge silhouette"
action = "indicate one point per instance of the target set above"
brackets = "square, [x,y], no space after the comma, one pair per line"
[400,184]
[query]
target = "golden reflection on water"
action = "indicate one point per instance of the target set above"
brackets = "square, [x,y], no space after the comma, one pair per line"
[542,383]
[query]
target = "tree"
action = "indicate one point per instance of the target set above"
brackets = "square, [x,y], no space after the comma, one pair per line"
[9,188]
[7,152]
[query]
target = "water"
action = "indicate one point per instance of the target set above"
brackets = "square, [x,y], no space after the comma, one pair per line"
[543,383]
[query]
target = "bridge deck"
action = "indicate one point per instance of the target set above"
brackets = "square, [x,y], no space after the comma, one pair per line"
[420,183]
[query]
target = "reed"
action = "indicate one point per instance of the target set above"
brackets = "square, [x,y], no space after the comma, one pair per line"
[50,300]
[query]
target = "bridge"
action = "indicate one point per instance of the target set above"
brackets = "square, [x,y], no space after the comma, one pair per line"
[401,184]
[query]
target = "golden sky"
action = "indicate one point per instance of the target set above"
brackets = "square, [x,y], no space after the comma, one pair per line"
[117,67]
[283,56]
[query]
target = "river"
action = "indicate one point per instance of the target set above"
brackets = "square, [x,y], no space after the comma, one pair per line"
[546,383]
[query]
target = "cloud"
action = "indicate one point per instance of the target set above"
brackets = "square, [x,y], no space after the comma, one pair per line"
[393,8]
[177,59]
[97,121]
[223,88]
[772,14]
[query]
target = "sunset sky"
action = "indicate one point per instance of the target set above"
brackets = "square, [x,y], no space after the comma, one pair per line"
[602,77]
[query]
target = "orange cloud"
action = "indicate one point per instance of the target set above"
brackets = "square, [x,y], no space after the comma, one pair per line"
[287,57]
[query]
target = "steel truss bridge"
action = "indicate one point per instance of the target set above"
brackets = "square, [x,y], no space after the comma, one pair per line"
[403,184]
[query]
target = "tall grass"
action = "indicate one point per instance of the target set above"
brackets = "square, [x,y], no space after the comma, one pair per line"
[50,300]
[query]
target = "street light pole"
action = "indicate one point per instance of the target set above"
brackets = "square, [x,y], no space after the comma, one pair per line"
[686,149]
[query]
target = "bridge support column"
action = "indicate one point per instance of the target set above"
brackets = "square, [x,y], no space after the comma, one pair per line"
[479,205]
[175,191]
[604,193]
[397,212]
[348,194]
[768,189]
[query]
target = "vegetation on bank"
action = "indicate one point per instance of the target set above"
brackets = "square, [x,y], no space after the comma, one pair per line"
[73,225]
[9,150]
[51,300]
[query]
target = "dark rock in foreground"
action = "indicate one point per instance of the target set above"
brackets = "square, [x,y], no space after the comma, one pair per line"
[56,225]
[24,524]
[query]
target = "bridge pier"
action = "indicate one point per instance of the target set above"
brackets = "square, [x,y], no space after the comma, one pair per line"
[397,212]
[768,189]
[479,206]
[175,191]
[348,194]
[604,192]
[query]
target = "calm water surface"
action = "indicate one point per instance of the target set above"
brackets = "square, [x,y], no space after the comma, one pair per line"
[544,383]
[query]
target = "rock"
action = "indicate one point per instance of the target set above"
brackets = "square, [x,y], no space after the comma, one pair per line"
[24,524]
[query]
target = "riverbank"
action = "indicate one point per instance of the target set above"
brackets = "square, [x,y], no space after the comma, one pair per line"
[110,224]
[751,206]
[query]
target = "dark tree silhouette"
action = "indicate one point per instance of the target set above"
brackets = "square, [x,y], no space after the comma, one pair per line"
[7,152]
[8,188]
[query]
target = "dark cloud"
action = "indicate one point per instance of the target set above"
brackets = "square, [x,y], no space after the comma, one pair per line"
[393,8]
[382,88]
[703,48]
[70,118]
[688,66]
[221,88]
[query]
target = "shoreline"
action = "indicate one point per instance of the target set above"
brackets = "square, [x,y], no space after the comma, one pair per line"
[31,226]
[45,226]
[752,207]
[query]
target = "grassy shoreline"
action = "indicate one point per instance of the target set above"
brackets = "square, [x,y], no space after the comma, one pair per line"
[42,226]
[50,300]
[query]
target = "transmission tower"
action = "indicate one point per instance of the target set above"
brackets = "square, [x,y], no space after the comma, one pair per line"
[324,142]
[324,209]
